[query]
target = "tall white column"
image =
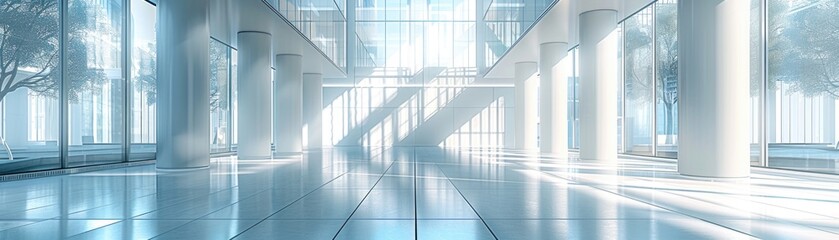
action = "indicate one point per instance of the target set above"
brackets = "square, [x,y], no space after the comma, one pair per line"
[526,99]
[312,109]
[553,137]
[714,88]
[288,104]
[598,85]
[254,95]
[183,85]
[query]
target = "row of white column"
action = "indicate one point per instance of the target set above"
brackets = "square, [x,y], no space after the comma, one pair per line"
[713,90]
[183,88]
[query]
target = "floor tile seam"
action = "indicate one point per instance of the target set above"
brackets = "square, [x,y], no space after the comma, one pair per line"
[654,205]
[93,229]
[198,197]
[32,209]
[54,204]
[35,222]
[199,206]
[25,219]
[58,204]
[291,203]
[595,219]
[202,217]
[781,220]
[798,175]
[820,192]
[678,192]
[468,203]
[382,219]
[362,201]
[29,199]
[108,205]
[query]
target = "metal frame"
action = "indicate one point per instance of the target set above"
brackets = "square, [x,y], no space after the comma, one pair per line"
[230,99]
[126,84]
[63,122]
[623,86]
[763,141]
[654,89]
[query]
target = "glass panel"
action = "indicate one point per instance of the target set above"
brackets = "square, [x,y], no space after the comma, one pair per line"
[219,97]
[638,74]
[755,81]
[576,112]
[620,85]
[234,58]
[322,22]
[506,22]
[28,86]
[803,83]
[95,81]
[143,81]
[667,77]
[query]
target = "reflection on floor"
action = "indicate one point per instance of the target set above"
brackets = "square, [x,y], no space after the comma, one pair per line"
[425,193]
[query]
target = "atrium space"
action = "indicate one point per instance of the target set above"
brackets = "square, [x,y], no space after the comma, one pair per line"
[433,119]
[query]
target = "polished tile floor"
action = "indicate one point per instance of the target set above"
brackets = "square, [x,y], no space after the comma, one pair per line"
[424,193]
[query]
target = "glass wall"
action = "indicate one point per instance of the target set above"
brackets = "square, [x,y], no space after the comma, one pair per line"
[321,21]
[95,92]
[220,103]
[801,84]
[794,84]
[234,92]
[143,105]
[650,76]
[507,21]
[638,82]
[756,83]
[29,87]
[85,76]
[574,100]
[667,77]
[416,80]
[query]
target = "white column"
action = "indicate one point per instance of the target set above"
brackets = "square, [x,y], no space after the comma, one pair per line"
[183,85]
[553,137]
[254,95]
[526,99]
[312,109]
[714,88]
[598,85]
[288,104]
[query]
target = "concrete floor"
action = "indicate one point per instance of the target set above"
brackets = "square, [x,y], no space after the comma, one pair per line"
[425,193]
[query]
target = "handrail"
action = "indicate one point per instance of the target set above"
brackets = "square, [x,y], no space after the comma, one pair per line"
[8,150]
